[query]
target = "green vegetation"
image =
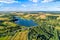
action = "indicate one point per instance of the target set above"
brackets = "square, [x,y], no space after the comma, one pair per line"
[48,27]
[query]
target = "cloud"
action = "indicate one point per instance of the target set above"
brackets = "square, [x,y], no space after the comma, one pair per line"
[9,9]
[46,1]
[8,1]
[23,5]
[52,9]
[35,5]
[34,1]
[56,8]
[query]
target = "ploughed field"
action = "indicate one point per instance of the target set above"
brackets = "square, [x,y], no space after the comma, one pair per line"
[40,26]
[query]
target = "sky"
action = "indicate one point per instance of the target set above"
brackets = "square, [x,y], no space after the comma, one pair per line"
[29,5]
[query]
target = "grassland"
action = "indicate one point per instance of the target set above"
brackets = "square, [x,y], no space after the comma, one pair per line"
[48,27]
[21,35]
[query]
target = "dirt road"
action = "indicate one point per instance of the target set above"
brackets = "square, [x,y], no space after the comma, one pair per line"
[21,36]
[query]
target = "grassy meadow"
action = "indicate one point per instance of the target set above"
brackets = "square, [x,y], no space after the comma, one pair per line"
[48,26]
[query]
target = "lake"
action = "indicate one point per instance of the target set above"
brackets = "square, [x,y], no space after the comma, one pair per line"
[25,22]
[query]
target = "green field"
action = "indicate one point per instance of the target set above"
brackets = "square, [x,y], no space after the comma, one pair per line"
[48,27]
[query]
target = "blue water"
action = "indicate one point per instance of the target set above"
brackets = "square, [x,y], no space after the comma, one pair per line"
[25,22]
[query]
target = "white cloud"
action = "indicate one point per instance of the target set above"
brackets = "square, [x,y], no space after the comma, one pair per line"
[55,9]
[44,1]
[23,5]
[34,1]
[52,9]
[8,1]
[9,9]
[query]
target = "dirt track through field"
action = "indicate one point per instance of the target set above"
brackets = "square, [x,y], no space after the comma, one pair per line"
[21,36]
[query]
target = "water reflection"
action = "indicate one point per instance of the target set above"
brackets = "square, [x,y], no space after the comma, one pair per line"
[25,22]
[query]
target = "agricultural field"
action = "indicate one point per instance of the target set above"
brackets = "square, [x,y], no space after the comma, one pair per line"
[29,26]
